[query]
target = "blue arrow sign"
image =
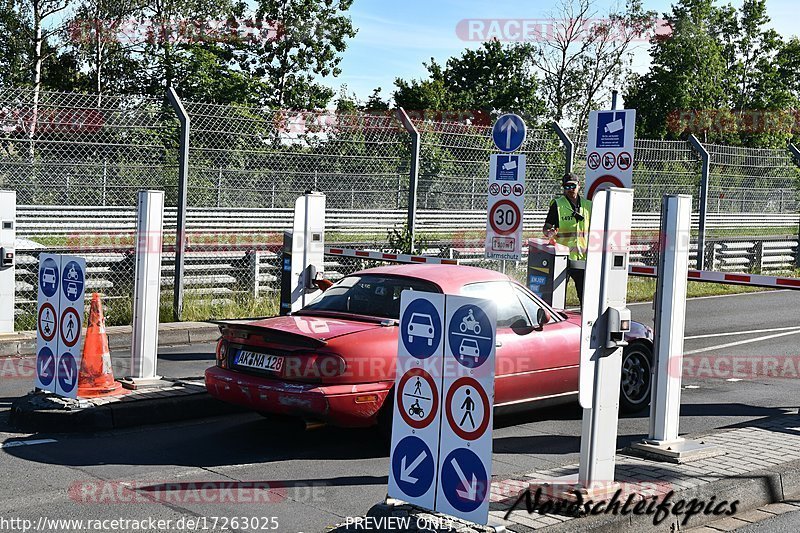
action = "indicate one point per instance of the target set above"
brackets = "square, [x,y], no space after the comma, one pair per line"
[470,336]
[45,366]
[412,466]
[421,328]
[509,132]
[464,480]
[72,281]
[67,373]
[49,277]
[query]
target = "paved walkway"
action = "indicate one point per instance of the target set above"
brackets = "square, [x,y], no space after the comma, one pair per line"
[760,465]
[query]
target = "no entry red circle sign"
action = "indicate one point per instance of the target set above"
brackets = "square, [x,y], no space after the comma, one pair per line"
[47,322]
[472,406]
[70,327]
[603,182]
[505,217]
[417,398]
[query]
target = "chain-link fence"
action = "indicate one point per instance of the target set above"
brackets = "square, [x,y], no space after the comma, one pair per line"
[454,166]
[77,162]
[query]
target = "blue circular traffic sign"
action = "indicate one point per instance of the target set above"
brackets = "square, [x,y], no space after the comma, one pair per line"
[48,277]
[465,483]
[67,372]
[469,336]
[508,133]
[421,328]
[45,366]
[72,281]
[412,466]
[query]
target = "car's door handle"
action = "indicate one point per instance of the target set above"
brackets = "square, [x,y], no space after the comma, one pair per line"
[498,344]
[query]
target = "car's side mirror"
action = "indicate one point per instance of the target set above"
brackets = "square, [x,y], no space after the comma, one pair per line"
[542,317]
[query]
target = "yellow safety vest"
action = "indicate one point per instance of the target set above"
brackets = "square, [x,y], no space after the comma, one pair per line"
[571,233]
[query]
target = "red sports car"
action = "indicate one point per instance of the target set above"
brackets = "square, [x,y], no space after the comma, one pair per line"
[334,360]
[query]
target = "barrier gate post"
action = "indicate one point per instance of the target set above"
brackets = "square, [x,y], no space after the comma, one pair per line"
[663,442]
[147,290]
[604,322]
[8,234]
[302,261]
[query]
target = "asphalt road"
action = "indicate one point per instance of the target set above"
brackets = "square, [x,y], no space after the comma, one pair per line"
[310,480]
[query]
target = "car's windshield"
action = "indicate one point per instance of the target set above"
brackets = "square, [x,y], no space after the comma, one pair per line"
[370,295]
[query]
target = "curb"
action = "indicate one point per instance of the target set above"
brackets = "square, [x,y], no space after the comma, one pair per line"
[26,416]
[22,343]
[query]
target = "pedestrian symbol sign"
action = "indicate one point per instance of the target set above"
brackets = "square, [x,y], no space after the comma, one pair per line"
[441,432]
[59,323]
[418,398]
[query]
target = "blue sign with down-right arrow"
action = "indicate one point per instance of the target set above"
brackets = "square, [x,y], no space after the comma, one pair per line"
[465,482]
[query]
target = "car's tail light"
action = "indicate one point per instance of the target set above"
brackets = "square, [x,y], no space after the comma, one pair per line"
[222,353]
[313,367]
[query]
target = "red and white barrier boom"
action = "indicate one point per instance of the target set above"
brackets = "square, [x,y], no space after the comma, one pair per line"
[752,280]
[381,256]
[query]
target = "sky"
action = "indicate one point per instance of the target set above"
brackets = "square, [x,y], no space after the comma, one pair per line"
[394,38]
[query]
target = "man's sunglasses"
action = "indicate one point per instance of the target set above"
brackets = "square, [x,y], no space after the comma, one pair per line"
[570,187]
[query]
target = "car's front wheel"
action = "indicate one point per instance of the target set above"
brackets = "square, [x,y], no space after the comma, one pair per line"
[636,385]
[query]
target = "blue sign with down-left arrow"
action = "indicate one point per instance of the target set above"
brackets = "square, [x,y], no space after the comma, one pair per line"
[412,466]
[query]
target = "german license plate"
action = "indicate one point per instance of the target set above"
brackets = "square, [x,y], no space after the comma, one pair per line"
[261,361]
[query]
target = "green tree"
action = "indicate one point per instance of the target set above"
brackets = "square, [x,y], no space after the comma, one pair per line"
[312,34]
[14,50]
[585,54]
[493,78]
[718,65]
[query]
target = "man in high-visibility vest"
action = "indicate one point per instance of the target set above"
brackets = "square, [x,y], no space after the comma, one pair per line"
[567,223]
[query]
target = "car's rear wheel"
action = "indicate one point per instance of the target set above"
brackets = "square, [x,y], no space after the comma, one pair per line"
[636,385]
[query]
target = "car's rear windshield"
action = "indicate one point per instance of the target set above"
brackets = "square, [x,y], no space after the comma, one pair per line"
[369,295]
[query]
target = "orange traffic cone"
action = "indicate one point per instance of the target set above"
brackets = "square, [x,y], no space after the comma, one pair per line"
[96,377]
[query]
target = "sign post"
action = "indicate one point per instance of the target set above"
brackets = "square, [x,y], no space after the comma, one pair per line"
[465,452]
[506,201]
[62,285]
[416,421]
[609,150]
[444,393]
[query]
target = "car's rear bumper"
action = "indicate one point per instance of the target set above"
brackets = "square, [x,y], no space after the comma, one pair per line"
[354,405]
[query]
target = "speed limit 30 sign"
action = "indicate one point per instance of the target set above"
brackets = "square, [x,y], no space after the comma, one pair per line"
[505,207]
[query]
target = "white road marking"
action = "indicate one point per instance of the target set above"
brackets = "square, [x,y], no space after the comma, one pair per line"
[738,343]
[34,442]
[746,332]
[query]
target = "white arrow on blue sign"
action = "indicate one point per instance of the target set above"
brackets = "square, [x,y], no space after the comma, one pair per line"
[508,133]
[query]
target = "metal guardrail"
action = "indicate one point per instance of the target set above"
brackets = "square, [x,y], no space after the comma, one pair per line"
[77,222]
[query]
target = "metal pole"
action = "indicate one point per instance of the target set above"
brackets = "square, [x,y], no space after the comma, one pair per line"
[670,319]
[796,155]
[413,177]
[8,235]
[569,146]
[705,159]
[614,95]
[183,183]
